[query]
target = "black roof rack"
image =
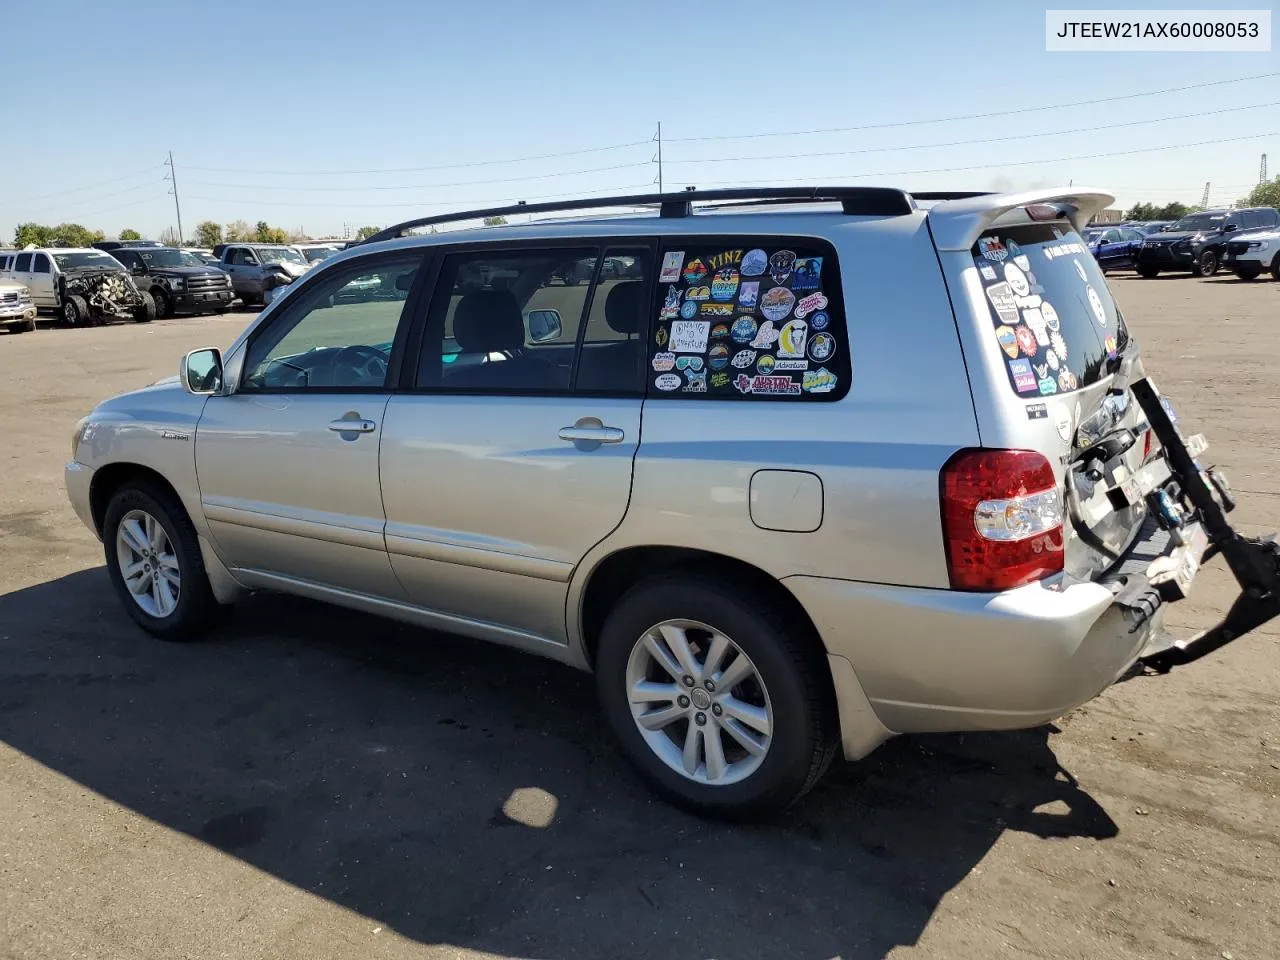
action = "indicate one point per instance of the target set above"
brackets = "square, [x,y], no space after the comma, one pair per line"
[855,201]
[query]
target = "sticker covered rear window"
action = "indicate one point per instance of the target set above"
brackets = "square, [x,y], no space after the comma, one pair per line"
[1051,311]
[749,319]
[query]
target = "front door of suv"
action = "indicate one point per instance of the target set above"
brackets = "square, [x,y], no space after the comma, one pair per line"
[509,454]
[288,463]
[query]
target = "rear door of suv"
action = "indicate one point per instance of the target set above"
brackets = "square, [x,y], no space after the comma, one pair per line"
[507,454]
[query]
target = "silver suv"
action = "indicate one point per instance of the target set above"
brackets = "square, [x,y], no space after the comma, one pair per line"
[820,467]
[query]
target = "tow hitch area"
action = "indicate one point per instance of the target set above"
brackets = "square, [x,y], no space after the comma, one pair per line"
[1253,561]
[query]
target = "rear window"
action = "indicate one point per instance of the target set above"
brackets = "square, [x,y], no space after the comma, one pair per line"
[1051,312]
[749,319]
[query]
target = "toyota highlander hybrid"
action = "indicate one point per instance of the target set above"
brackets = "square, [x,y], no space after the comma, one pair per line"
[819,467]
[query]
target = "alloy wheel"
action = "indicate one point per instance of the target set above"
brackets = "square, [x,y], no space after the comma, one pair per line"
[148,563]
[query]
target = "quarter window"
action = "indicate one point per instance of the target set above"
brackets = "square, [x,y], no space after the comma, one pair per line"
[749,319]
[336,333]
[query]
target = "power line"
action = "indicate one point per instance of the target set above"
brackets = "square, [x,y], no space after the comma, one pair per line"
[975,116]
[415,203]
[99,199]
[961,143]
[100,183]
[989,166]
[446,166]
[420,186]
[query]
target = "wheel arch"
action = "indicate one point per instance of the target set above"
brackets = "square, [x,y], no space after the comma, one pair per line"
[111,477]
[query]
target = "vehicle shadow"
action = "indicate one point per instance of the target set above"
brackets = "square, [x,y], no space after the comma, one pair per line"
[469,795]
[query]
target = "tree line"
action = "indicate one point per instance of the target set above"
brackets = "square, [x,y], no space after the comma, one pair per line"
[207,234]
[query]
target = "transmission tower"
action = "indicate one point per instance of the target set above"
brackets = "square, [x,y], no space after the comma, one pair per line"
[1204,200]
[1262,170]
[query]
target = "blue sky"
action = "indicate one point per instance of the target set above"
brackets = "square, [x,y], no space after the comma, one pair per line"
[263,106]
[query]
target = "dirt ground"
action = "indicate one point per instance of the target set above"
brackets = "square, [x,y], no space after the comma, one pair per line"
[315,783]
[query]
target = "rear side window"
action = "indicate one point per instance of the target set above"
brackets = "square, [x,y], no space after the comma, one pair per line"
[749,319]
[1051,312]
[24,262]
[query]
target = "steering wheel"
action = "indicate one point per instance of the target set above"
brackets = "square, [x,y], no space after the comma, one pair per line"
[368,364]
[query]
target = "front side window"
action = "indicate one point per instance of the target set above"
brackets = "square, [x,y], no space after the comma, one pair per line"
[337,333]
[1050,309]
[749,319]
[40,263]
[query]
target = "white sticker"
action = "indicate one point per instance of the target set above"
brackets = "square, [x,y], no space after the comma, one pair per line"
[668,382]
[743,359]
[987,271]
[1050,316]
[1001,297]
[766,336]
[1034,319]
[792,339]
[1095,302]
[814,301]
[1016,279]
[1062,422]
[690,336]
[1032,301]
[1051,359]
[1023,261]
[777,303]
[663,362]
[791,364]
[671,263]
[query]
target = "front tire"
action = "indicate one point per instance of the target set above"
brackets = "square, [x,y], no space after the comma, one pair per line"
[715,695]
[75,310]
[154,561]
[1147,272]
[1275,267]
[1206,264]
[163,307]
[146,311]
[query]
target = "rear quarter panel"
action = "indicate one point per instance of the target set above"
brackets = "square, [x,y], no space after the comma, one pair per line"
[877,451]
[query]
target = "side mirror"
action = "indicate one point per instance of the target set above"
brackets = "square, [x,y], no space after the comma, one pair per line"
[1230,226]
[138,271]
[544,325]
[201,371]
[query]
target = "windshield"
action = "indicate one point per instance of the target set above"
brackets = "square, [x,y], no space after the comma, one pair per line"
[162,257]
[1199,221]
[279,255]
[1051,311]
[90,258]
[318,253]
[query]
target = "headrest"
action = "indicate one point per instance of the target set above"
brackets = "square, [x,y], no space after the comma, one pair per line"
[405,281]
[488,321]
[624,307]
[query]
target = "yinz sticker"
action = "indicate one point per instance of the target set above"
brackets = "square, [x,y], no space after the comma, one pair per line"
[671,308]
[749,294]
[754,263]
[727,259]
[814,301]
[668,382]
[690,336]
[766,386]
[671,262]
[821,380]
[807,274]
[662,362]
[776,304]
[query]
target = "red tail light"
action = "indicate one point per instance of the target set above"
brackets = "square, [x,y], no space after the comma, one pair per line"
[1001,519]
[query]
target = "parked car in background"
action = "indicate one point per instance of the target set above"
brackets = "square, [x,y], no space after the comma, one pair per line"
[81,285]
[17,309]
[765,548]
[1146,227]
[1196,242]
[1249,254]
[315,252]
[257,268]
[206,256]
[178,281]
[110,245]
[1115,248]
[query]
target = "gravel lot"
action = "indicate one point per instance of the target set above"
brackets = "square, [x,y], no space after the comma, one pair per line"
[315,783]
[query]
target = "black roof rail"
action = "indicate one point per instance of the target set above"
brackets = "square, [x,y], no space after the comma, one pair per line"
[855,201]
[949,194]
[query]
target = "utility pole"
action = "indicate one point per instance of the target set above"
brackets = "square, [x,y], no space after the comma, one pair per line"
[1204,200]
[173,176]
[659,139]
[1262,170]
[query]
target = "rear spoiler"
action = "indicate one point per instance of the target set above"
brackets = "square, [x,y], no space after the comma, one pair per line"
[957,224]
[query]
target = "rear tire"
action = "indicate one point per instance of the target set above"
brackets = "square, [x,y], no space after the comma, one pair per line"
[183,612]
[781,685]
[1206,264]
[163,307]
[146,311]
[1248,273]
[1275,267]
[1146,271]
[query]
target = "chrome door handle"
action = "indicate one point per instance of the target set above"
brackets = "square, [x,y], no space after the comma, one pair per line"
[352,426]
[592,434]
